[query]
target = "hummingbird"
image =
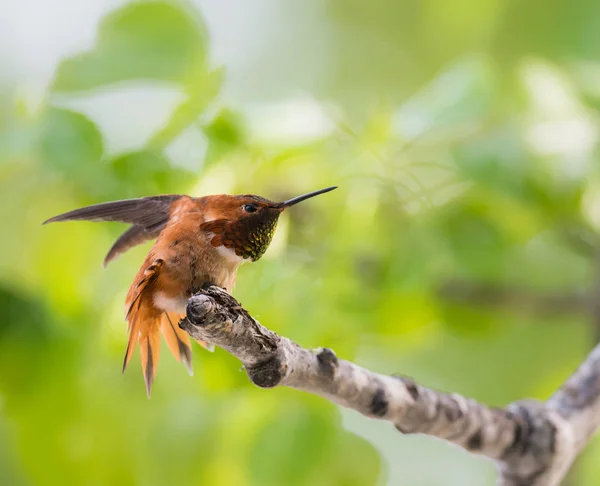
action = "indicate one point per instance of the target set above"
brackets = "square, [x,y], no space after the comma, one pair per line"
[200,241]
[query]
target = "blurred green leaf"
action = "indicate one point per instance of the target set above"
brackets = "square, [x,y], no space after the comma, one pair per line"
[461,94]
[355,462]
[225,134]
[17,307]
[494,160]
[299,445]
[145,173]
[29,340]
[10,472]
[149,40]
[471,322]
[69,142]
[294,432]
[559,196]
[71,146]
[478,246]
[201,90]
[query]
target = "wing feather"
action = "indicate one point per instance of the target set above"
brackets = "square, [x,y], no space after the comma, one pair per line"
[134,236]
[148,215]
[148,212]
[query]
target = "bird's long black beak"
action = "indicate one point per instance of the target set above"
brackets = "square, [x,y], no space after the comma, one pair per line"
[304,197]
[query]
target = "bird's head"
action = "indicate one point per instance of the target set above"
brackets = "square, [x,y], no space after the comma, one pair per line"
[245,224]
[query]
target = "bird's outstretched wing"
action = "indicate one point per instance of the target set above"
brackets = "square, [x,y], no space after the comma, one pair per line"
[148,215]
[148,212]
[135,235]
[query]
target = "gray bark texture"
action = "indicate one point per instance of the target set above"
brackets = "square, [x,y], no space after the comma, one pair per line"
[532,443]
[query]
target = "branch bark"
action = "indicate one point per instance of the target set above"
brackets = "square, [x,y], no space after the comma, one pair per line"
[532,443]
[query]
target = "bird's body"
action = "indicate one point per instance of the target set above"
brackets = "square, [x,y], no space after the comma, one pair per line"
[200,241]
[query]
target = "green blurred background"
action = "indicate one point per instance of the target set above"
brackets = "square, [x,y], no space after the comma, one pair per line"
[461,247]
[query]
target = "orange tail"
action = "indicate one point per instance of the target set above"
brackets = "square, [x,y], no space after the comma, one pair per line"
[144,327]
[150,352]
[146,323]
[177,339]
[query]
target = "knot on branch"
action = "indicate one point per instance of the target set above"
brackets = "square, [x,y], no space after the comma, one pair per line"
[198,308]
[216,317]
[212,311]
[212,305]
[535,432]
[266,374]
[530,454]
[327,362]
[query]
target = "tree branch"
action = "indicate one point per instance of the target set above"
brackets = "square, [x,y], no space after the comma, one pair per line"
[532,443]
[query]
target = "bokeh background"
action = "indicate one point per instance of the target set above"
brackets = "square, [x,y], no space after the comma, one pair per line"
[461,247]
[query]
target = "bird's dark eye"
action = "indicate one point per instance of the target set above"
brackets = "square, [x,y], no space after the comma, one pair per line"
[250,208]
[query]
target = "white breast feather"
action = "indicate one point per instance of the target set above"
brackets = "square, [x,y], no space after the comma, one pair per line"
[230,255]
[170,304]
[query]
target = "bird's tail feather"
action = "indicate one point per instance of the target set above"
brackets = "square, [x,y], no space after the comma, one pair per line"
[144,328]
[146,322]
[150,352]
[177,339]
